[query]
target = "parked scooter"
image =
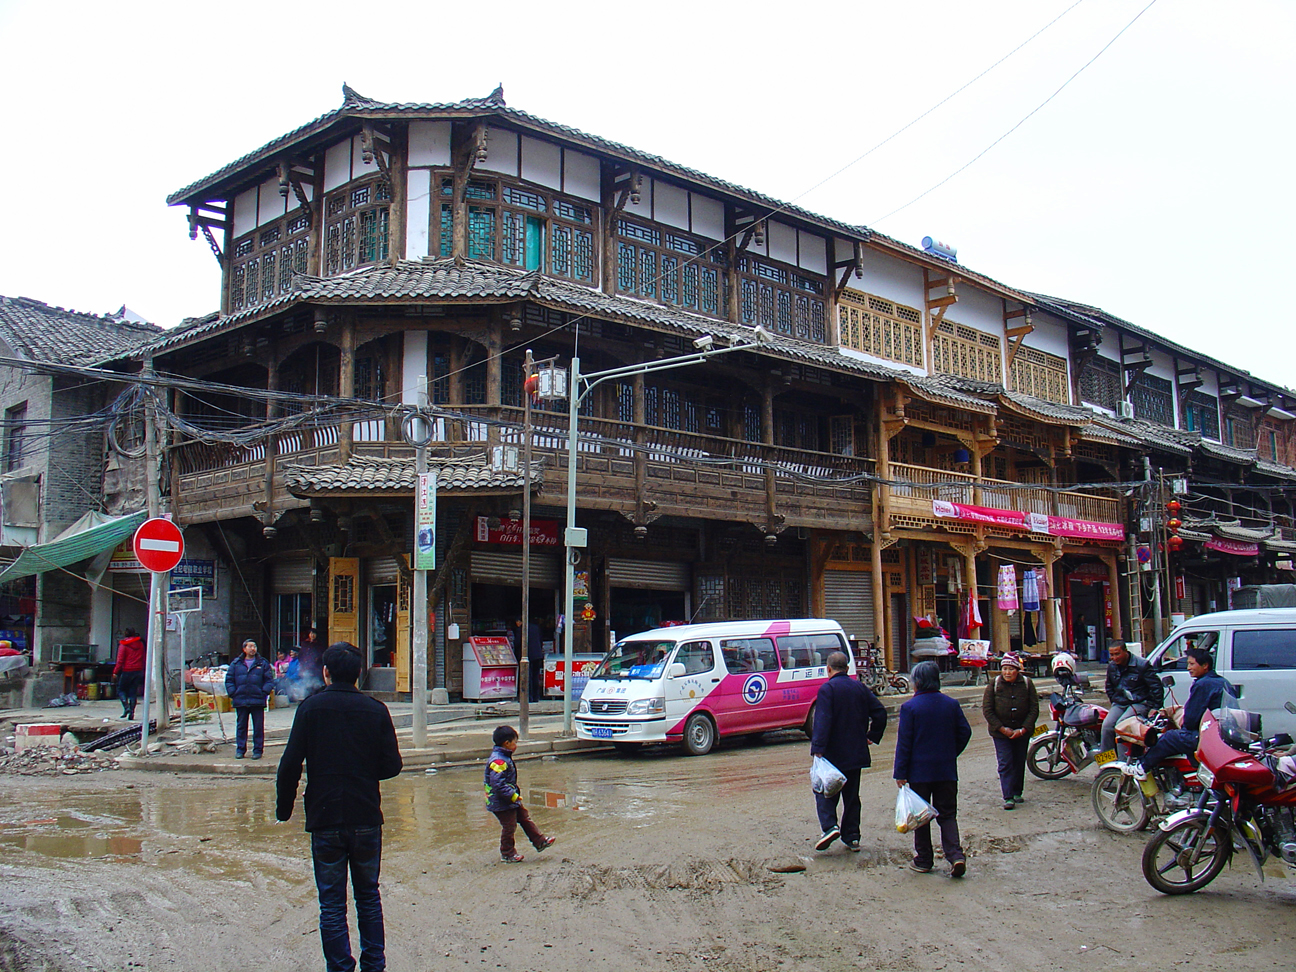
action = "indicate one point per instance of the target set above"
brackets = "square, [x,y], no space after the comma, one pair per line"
[1253,785]
[1124,804]
[1073,741]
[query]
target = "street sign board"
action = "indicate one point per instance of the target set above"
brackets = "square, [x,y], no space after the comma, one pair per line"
[159,545]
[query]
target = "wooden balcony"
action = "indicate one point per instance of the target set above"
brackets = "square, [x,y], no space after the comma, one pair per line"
[957,487]
[679,473]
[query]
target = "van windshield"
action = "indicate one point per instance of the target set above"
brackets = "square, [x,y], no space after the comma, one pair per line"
[635,659]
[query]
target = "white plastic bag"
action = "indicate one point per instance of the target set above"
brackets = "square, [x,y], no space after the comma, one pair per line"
[912,811]
[826,778]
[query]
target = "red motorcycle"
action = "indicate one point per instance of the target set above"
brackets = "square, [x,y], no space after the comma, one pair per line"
[1124,804]
[1073,741]
[1253,788]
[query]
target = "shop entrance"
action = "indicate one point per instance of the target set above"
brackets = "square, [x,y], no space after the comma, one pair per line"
[292,620]
[496,606]
[634,610]
[1085,619]
[382,625]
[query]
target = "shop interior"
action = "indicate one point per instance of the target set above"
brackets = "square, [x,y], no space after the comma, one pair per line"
[496,606]
[633,610]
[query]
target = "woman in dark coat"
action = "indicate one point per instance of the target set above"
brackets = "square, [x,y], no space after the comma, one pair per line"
[933,731]
[249,680]
[1011,707]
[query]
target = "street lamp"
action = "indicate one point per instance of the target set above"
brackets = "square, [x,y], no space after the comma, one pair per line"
[575,538]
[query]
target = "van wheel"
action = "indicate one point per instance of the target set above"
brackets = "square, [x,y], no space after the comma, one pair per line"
[808,728]
[627,748]
[699,735]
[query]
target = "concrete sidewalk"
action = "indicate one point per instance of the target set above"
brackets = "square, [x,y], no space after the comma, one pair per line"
[458,733]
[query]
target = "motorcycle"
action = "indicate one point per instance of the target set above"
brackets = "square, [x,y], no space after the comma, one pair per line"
[1073,741]
[1124,804]
[1253,784]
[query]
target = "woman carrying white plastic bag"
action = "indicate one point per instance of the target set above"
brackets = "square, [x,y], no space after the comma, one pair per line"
[933,731]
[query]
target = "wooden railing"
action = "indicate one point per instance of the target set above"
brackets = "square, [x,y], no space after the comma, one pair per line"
[922,483]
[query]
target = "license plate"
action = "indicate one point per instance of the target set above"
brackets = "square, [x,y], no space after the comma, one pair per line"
[1040,730]
[1105,757]
[600,732]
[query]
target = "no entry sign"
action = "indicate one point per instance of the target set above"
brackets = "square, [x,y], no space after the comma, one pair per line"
[159,545]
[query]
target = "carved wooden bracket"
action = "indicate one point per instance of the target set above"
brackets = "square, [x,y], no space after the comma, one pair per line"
[1016,332]
[938,280]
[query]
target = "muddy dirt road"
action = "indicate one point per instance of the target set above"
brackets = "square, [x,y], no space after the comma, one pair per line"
[662,862]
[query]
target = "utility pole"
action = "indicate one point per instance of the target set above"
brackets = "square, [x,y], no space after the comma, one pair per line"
[155,673]
[524,635]
[417,430]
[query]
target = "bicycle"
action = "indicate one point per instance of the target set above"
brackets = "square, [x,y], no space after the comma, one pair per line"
[872,671]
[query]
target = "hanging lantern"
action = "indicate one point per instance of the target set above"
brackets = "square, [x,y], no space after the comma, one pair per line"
[962,456]
[1173,524]
[1173,507]
[1175,543]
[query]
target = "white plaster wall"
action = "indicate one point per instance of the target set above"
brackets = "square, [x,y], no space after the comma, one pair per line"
[1050,335]
[582,175]
[708,217]
[429,143]
[671,205]
[271,205]
[1210,382]
[418,208]
[895,365]
[501,152]
[781,242]
[814,252]
[337,165]
[886,277]
[644,209]
[414,365]
[978,309]
[245,212]
[541,162]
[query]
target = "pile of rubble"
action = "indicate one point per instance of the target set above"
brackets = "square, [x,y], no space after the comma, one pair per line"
[51,761]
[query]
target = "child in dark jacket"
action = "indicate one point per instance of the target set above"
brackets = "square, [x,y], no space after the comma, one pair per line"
[505,800]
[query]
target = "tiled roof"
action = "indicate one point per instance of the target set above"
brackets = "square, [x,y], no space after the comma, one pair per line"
[358,107]
[1275,469]
[946,390]
[1046,411]
[1158,437]
[1102,429]
[373,474]
[1246,457]
[39,332]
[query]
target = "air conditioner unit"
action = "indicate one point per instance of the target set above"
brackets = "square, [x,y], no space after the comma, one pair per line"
[1126,410]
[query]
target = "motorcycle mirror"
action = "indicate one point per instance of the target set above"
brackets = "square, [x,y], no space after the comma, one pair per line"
[1290,707]
[1168,681]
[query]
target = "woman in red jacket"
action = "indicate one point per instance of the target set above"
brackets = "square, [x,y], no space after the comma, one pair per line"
[129,670]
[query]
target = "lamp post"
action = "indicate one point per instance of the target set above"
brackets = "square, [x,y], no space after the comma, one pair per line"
[575,538]
[417,429]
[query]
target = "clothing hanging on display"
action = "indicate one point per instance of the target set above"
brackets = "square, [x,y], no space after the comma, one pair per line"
[1007,588]
[1030,590]
[1028,629]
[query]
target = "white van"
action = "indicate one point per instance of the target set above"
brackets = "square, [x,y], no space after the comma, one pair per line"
[696,683]
[1254,649]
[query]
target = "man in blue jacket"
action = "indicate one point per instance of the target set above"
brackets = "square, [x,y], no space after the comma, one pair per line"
[933,732]
[847,717]
[349,744]
[1207,690]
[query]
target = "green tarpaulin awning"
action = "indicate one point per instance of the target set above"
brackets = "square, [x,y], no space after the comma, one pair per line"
[92,534]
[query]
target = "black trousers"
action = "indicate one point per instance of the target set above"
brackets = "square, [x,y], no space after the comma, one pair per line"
[942,795]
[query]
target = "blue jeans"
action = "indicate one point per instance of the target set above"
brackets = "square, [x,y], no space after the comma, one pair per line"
[241,726]
[1170,743]
[335,852]
[826,807]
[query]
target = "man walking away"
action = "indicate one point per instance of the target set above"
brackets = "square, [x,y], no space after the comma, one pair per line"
[348,743]
[1133,687]
[847,717]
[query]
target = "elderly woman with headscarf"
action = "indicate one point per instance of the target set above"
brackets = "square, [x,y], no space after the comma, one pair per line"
[1011,707]
[933,731]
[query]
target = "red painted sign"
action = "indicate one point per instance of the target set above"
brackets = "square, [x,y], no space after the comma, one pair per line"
[1238,548]
[544,533]
[159,545]
[1058,526]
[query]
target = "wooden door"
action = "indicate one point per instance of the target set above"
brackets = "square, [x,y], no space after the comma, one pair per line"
[344,600]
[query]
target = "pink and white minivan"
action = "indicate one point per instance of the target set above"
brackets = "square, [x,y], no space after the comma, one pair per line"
[696,683]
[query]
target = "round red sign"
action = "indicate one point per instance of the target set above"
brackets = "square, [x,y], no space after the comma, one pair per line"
[159,545]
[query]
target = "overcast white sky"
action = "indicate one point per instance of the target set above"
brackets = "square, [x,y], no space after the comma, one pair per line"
[1157,185]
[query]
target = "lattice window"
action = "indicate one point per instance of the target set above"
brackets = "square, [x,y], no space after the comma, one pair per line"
[369,378]
[1201,414]
[1100,383]
[1153,399]
[263,262]
[796,430]
[15,436]
[1035,372]
[439,380]
[880,327]
[678,270]
[1240,432]
[710,593]
[343,594]
[356,227]
[964,351]
[781,300]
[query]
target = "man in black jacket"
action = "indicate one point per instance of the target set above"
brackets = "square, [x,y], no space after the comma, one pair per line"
[1133,686]
[847,717]
[349,744]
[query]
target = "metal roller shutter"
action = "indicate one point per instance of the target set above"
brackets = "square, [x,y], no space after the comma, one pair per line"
[491,567]
[381,570]
[848,600]
[657,575]
[293,575]
[132,583]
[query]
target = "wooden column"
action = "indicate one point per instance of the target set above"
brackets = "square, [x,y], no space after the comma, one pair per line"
[1113,578]
[346,386]
[975,450]
[881,534]
[640,417]
[397,224]
[494,376]
[1052,636]
[315,236]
